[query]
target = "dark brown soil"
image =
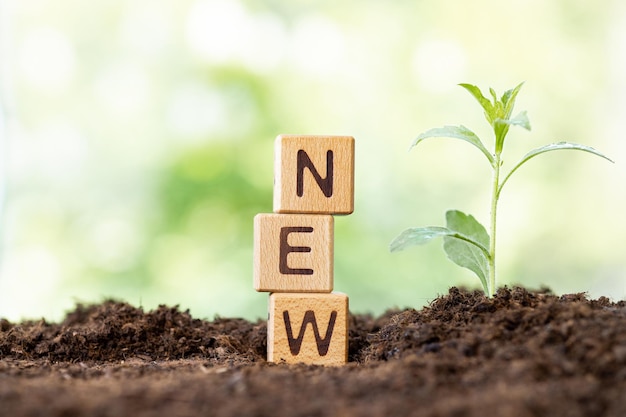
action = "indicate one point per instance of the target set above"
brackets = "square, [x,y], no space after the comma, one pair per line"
[520,354]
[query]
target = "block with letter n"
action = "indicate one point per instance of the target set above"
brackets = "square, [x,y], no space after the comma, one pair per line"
[308,328]
[314,174]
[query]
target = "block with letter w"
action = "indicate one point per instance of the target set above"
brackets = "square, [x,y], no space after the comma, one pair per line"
[308,327]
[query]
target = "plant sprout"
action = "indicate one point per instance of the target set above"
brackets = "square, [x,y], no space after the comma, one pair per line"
[466,241]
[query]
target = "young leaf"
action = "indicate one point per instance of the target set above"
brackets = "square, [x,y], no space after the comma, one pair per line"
[551,147]
[417,236]
[520,120]
[503,121]
[508,99]
[456,132]
[487,106]
[501,128]
[422,235]
[494,96]
[473,256]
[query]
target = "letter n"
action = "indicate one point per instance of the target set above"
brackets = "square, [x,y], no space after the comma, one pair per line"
[325,184]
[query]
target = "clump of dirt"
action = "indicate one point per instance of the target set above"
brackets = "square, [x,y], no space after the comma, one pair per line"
[114,331]
[521,353]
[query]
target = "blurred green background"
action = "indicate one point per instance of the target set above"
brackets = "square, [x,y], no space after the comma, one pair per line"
[137,144]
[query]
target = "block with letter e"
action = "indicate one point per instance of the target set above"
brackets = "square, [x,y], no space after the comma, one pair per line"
[293,253]
[308,328]
[314,174]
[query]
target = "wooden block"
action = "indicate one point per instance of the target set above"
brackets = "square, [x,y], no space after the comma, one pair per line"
[314,174]
[308,328]
[293,252]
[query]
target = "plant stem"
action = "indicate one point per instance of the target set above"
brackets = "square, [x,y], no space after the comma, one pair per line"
[492,232]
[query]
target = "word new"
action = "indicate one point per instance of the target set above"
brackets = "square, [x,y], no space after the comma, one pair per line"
[294,249]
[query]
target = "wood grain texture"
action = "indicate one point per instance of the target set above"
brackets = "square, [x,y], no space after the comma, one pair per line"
[314,174]
[308,328]
[293,252]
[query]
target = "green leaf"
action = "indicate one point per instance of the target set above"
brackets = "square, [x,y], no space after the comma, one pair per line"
[493,94]
[504,109]
[471,252]
[501,128]
[465,242]
[417,236]
[548,148]
[487,106]
[519,120]
[456,132]
[508,100]
[422,235]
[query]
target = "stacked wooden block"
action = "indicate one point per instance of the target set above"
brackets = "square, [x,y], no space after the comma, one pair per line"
[293,249]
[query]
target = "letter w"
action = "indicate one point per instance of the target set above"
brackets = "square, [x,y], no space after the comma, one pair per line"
[309,317]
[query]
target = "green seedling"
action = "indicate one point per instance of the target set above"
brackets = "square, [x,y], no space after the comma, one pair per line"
[465,240]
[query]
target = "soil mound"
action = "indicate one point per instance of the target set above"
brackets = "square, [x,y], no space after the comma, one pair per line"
[114,331]
[521,353]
